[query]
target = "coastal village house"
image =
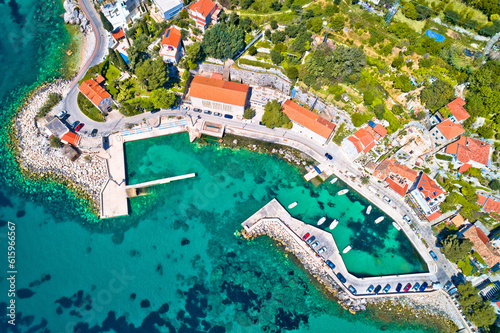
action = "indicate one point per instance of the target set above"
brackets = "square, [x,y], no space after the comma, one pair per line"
[58,128]
[427,195]
[397,176]
[363,140]
[489,204]
[93,90]
[445,131]
[457,110]
[219,95]
[204,12]
[171,45]
[121,13]
[481,245]
[469,152]
[308,123]
[168,9]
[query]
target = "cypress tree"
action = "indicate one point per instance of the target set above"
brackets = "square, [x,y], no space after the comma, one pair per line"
[105,22]
[121,62]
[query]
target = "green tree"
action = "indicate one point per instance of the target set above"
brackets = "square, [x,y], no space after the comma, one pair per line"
[454,248]
[276,57]
[315,24]
[278,37]
[451,16]
[365,179]
[403,82]
[479,311]
[409,11]
[337,22]
[162,98]
[292,72]
[105,22]
[223,41]
[122,65]
[379,111]
[183,14]
[274,117]
[368,97]
[252,50]
[274,24]
[398,62]
[437,95]
[152,74]
[268,34]
[495,184]
[55,142]
[245,4]
[486,131]
[249,113]
[194,54]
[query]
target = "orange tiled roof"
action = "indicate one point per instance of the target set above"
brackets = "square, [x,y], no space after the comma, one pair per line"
[381,130]
[172,37]
[479,245]
[203,7]
[450,129]
[71,138]
[217,76]
[457,109]
[464,167]
[100,79]
[428,187]
[481,199]
[433,216]
[405,172]
[219,90]
[492,205]
[118,34]
[308,119]
[355,141]
[397,187]
[93,91]
[458,220]
[365,138]
[469,149]
[383,169]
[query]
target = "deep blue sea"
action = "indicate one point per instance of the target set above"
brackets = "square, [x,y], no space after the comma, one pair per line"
[175,264]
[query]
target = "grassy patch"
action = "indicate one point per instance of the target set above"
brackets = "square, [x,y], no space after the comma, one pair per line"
[466,266]
[89,109]
[443,157]
[249,62]
[112,73]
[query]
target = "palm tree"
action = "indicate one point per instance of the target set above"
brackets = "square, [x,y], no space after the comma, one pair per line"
[365,179]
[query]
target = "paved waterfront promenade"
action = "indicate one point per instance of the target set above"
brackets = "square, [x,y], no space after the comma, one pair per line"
[273,211]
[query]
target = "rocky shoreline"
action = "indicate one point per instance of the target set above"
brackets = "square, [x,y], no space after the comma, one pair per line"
[433,307]
[36,155]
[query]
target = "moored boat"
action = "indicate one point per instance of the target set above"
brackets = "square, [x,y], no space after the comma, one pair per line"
[396,225]
[293,204]
[342,192]
[380,219]
[321,220]
[369,209]
[334,224]
[347,249]
[334,180]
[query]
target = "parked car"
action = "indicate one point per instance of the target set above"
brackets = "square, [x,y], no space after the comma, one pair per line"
[217,114]
[79,127]
[416,286]
[387,288]
[330,264]
[186,108]
[386,198]
[433,255]
[207,112]
[370,288]
[261,124]
[75,124]
[423,286]
[398,287]
[352,290]
[407,288]
[377,289]
[306,236]
[452,290]
[313,245]
[407,219]
[155,110]
[322,250]
[447,285]
[310,240]
[228,116]
[341,278]
[62,114]
[328,156]
[94,132]
[196,110]
[175,107]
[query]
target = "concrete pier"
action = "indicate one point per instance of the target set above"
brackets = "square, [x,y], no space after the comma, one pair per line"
[161,181]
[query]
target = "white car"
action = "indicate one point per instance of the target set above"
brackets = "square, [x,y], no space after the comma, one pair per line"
[387,199]
[407,219]
[62,114]
[186,108]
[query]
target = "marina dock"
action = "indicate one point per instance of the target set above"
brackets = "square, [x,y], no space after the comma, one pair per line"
[161,181]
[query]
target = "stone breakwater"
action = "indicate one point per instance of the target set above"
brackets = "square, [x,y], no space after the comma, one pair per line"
[280,232]
[37,156]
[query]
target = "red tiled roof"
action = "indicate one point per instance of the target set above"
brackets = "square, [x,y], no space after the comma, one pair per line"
[433,216]
[71,138]
[118,34]
[428,187]
[203,7]
[397,187]
[308,119]
[219,90]
[458,220]
[492,205]
[450,129]
[464,167]
[217,76]
[405,172]
[469,149]
[100,79]
[364,139]
[481,199]
[172,37]
[479,245]
[93,91]
[380,130]
[369,147]
[457,109]
[383,169]
[482,236]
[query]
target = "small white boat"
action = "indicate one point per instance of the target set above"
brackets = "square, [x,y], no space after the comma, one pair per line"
[396,225]
[369,209]
[342,192]
[347,249]
[293,204]
[380,219]
[334,180]
[334,224]
[321,220]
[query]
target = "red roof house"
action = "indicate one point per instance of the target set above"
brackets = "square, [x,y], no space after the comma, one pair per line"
[479,244]
[71,138]
[118,34]
[93,90]
[445,131]
[457,109]
[399,177]
[489,203]
[363,140]
[469,152]
[308,122]
[428,195]
[202,12]
[171,45]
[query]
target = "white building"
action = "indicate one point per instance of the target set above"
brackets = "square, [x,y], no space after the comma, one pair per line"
[171,45]
[169,8]
[119,13]
[428,195]
[308,123]
[445,131]
[204,12]
[218,95]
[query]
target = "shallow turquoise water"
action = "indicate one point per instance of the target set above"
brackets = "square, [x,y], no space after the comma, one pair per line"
[78,276]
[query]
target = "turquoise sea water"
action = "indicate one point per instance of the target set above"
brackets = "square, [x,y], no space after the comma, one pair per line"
[175,264]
